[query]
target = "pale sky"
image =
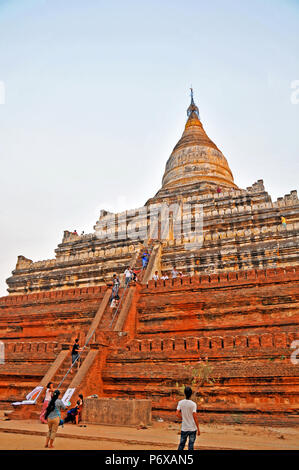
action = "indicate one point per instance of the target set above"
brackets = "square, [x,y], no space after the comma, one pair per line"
[95,99]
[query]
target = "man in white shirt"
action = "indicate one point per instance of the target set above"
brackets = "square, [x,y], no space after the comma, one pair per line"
[156,276]
[186,410]
[174,273]
[128,275]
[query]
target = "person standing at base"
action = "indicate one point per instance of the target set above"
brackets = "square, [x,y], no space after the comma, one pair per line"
[53,416]
[48,396]
[186,410]
[72,414]
[81,403]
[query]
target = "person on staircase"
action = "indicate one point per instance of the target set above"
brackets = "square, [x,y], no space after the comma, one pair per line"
[75,354]
[174,273]
[283,221]
[156,276]
[164,276]
[135,274]
[128,276]
[53,416]
[114,303]
[115,288]
[48,396]
[145,258]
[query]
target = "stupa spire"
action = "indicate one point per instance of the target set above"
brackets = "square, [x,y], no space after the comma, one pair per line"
[193,109]
[196,159]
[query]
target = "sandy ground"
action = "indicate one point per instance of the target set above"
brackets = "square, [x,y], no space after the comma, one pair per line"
[21,442]
[30,435]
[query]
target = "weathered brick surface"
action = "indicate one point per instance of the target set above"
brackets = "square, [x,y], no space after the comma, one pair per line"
[244,323]
[243,319]
[24,367]
[224,304]
[50,315]
[117,412]
[244,326]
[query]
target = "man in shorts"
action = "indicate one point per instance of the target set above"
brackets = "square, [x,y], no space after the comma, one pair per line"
[186,410]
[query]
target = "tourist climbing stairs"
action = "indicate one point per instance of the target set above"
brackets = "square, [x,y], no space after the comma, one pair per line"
[153,248]
[67,371]
[139,265]
[109,318]
[61,372]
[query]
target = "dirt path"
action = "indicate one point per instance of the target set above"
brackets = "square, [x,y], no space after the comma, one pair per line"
[24,442]
[30,434]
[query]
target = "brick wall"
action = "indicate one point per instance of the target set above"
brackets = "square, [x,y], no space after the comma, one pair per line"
[251,301]
[244,323]
[25,364]
[57,315]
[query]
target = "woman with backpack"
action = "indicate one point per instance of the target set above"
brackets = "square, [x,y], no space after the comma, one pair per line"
[53,416]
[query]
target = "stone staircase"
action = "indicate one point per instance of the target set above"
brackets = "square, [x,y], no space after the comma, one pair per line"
[56,372]
[110,315]
[105,321]
[65,374]
[153,248]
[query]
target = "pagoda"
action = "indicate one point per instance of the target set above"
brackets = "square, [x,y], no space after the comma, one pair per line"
[234,303]
[241,227]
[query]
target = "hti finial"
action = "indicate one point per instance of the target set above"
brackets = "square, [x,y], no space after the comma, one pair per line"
[191,94]
[192,108]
